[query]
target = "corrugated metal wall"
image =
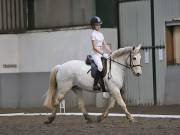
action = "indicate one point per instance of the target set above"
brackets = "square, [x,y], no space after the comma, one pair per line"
[135,27]
[61,13]
[12,15]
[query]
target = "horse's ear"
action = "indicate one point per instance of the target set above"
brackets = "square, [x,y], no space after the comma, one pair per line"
[134,47]
[138,47]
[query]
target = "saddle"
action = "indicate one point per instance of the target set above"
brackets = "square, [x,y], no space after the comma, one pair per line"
[94,69]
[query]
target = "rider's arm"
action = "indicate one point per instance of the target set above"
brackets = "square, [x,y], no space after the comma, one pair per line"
[107,47]
[95,48]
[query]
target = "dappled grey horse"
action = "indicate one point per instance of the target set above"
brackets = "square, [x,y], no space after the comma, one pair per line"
[72,75]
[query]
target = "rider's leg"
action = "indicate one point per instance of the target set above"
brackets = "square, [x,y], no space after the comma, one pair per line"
[96,81]
[98,62]
[99,75]
[102,82]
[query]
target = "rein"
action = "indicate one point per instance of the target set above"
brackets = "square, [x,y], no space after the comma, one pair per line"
[131,66]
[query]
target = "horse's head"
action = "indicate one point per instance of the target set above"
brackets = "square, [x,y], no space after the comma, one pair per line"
[131,56]
[134,60]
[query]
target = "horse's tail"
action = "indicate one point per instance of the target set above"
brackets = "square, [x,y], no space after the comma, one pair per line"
[51,93]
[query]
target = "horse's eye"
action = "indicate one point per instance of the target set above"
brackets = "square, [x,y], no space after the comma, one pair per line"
[134,58]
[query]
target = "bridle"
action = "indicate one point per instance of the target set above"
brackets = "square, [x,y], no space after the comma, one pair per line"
[130,66]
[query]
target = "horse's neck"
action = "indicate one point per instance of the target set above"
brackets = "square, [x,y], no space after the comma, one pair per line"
[118,67]
[121,55]
[123,59]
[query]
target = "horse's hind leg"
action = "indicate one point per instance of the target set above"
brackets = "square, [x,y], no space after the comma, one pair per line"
[81,105]
[56,107]
[117,95]
[52,116]
[105,114]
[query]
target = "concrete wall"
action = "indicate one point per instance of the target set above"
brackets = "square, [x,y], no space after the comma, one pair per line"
[9,53]
[38,52]
[35,54]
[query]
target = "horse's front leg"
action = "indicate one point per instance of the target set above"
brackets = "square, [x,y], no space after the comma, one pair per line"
[105,114]
[117,95]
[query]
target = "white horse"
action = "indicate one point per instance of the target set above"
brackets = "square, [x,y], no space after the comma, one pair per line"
[72,75]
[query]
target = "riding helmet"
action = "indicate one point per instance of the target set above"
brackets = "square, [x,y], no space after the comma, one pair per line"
[95,20]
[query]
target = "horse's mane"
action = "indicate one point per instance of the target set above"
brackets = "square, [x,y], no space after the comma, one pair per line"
[120,52]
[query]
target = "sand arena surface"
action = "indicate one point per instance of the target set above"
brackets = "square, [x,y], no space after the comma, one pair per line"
[76,125]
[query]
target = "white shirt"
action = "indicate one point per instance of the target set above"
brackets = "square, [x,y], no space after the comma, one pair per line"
[98,38]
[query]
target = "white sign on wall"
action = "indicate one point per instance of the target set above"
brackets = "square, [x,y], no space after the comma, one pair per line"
[146,56]
[160,54]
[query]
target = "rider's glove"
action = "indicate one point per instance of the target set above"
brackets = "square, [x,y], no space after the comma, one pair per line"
[105,55]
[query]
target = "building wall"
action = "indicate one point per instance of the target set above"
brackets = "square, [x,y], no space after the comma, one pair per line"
[166,10]
[35,54]
[135,27]
[176,40]
[12,16]
[61,13]
[9,52]
[172,85]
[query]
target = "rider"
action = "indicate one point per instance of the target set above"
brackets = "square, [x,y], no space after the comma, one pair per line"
[98,44]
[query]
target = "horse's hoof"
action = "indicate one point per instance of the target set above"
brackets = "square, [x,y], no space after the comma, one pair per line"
[50,120]
[47,122]
[99,119]
[133,120]
[89,121]
[88,118]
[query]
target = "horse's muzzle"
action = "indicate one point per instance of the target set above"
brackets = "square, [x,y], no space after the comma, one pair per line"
[138,74]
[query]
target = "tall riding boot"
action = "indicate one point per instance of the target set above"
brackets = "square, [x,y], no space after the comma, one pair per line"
[96,81]
[102,83]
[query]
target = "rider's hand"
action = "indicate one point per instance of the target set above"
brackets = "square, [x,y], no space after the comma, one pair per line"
[105,55]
